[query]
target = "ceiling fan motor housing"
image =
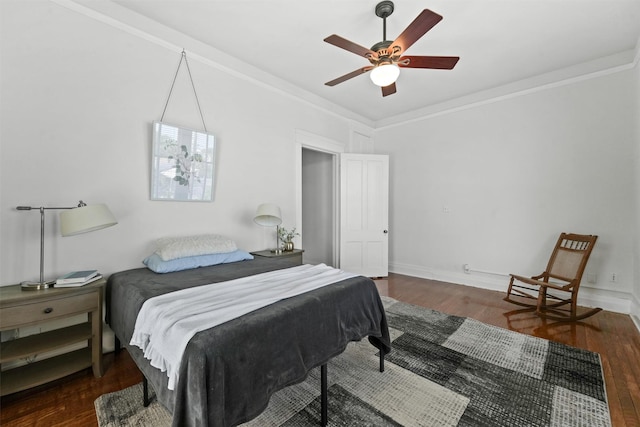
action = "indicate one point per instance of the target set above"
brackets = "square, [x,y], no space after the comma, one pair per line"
[383,51]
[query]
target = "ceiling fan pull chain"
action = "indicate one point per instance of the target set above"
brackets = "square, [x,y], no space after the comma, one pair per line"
[183,56]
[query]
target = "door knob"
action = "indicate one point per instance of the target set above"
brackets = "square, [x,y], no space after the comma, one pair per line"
[386,231]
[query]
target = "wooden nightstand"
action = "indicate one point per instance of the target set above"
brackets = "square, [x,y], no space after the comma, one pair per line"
[20,308]
[291,258]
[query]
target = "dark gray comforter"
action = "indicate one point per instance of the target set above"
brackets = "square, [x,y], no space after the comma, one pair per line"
[229,372]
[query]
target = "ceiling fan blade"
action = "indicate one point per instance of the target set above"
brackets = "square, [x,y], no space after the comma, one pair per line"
[423,23]
[389,90]
[435,62]
[345,44]
[348,76]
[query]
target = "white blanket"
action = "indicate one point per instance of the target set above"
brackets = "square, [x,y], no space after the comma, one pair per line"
[166,323]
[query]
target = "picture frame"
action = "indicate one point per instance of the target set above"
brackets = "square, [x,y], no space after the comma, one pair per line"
[182,164]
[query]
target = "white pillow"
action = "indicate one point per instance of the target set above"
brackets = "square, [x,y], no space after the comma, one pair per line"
[169,248]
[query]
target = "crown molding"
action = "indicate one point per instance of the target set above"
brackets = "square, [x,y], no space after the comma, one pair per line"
[126,20]
[112,14]
[567,76]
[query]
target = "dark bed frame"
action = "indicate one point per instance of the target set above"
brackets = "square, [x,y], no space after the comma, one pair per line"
[323,386]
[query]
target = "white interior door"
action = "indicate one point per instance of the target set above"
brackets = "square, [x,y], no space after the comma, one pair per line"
[364,214]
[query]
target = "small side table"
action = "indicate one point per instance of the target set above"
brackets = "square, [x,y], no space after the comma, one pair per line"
[20,308]
[291,258]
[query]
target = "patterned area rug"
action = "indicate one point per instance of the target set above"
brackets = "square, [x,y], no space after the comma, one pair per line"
[443,371]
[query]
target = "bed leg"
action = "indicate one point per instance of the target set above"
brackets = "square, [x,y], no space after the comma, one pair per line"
[116,344]
[323,395]
[381,361]
[145,392]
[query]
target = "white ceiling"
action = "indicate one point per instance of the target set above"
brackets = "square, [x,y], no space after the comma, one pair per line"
[503,45]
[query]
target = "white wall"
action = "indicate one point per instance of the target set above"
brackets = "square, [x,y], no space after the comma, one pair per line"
[78,99]
[492,186]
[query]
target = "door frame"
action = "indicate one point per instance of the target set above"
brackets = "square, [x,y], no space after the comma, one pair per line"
[314,142]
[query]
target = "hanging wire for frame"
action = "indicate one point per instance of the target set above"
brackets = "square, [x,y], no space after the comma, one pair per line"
[183,57]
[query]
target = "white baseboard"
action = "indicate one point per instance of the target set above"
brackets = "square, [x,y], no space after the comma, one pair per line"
[495,283]
[619,302]
[635,311]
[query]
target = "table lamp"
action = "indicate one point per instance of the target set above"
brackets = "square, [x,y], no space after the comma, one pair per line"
[74,220]
[269,215]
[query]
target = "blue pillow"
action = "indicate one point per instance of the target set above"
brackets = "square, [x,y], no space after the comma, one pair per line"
[157,264]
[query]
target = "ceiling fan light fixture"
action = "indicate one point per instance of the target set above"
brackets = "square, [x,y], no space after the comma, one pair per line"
[385,74]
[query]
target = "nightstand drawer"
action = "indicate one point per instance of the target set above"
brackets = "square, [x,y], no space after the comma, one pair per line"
[21,315]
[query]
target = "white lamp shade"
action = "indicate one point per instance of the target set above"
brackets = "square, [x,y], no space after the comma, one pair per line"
[268,215]
[385,74]
[85,218]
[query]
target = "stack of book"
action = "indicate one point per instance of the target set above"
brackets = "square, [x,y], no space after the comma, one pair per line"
[77,278]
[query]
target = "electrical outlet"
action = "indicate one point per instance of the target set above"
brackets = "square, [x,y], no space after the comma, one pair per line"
[466,268]
[445,209]
[614,277]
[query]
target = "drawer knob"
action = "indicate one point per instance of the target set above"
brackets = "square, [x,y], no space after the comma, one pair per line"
[48,310]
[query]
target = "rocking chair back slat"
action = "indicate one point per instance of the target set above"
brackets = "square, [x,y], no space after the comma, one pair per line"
[570,257]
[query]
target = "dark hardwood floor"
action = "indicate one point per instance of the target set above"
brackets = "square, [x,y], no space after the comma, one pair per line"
[69,401]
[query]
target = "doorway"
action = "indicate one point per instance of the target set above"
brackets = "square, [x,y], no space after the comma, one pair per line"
[319,206]
[319,177]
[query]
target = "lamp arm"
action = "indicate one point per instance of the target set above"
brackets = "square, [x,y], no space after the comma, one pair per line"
[42,209]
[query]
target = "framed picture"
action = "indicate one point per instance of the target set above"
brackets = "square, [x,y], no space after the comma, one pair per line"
[182,164]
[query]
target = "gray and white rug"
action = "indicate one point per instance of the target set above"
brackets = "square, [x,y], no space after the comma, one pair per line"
[443,371]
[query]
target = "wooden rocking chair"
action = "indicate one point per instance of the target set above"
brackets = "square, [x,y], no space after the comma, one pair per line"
[551,292]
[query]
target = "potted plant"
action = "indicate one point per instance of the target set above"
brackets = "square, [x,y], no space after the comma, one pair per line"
[286,237]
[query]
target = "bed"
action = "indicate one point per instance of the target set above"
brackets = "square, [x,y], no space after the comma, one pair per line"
[229,372]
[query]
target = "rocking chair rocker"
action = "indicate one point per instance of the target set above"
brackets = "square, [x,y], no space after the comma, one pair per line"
[544,293]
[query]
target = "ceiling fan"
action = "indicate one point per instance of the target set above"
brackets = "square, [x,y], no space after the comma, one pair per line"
[386,56]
